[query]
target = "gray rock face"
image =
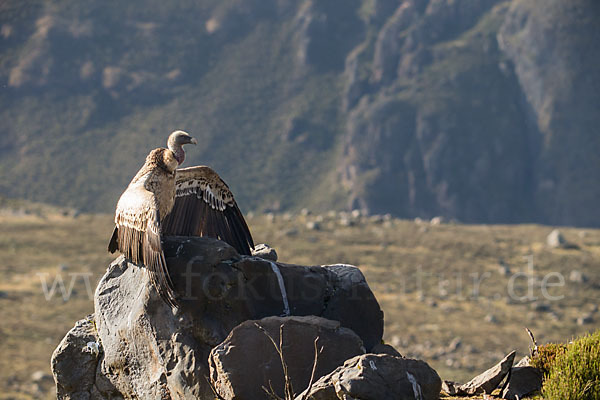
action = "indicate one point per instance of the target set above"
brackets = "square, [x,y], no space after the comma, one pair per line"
[247,361]
[152,351]
[376,377]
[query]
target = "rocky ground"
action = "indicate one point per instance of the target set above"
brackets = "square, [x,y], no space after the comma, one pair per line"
[442,317]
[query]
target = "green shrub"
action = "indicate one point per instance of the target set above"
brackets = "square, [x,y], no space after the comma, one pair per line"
[545,356]
[575,374]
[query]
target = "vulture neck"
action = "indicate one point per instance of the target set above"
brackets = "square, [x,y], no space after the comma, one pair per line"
[177,149]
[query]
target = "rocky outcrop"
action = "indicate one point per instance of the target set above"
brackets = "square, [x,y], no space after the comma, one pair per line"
[376,377]
[247,361]
[149,350]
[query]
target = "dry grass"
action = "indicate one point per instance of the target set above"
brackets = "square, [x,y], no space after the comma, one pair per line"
[421,274]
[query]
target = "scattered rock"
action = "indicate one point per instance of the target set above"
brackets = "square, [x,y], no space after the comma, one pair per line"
[483,383]
[376,377]
[265,251]
[437,221]
[585,319]
[491,318]
[305,212]
[40,376]
[313,226]
[523,381]
[233,370]
[345,221]
[577,276]
[556,240]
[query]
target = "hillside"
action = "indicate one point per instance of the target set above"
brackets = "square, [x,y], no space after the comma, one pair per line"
[484,111]
[445,290]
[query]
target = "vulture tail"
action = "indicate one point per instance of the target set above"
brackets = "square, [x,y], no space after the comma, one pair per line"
[113,245]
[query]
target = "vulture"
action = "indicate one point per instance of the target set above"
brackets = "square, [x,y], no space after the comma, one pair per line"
[162,200]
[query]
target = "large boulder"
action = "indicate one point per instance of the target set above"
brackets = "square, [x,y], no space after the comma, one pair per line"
[376,377]
[152,351]
[233,363]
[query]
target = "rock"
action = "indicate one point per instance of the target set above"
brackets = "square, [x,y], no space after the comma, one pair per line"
[150,350]
[376,377]
[40,376]
[437,221]
[491,318]
[264,251]
[555,239]
[577,276]
[585,319]
[522,382]
[233,363]
[483,383]
[345,221]
[75,360]
[383,348]
[313,226]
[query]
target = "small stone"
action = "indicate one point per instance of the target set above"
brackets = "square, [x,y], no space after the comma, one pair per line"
[454,345]
[290,232]
[39,376]
[345,221]
[555,239]
[313,226]
[356,213]
[585,319]
[490,318]
[418,221]
[305,212]
[265,251]
[577,276]
[437,220]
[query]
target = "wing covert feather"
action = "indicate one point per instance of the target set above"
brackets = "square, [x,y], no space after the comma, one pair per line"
[204,206]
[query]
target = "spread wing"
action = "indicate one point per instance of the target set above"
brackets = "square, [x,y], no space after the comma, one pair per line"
[204,206]
[137,235]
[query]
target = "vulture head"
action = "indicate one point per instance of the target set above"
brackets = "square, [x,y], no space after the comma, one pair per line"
[176,141]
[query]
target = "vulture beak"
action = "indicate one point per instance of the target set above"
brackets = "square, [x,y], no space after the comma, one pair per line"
[193,140]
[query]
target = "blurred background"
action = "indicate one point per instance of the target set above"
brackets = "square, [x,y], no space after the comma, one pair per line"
[391,134]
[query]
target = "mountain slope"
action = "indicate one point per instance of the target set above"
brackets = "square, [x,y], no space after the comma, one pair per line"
[415,107]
